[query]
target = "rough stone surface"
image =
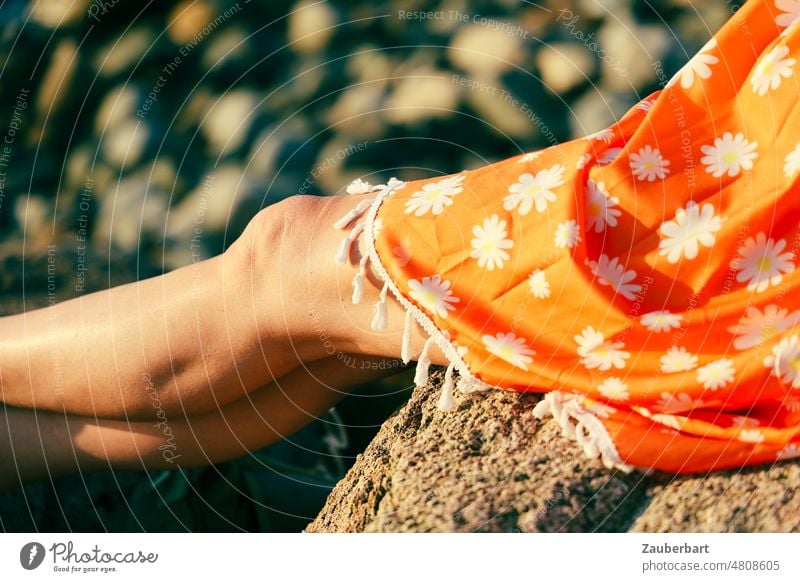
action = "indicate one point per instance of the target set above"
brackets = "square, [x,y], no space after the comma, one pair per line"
[489,466]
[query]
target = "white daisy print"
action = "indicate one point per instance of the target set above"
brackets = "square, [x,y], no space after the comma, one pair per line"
[490,243]
[716,374]
[698,67]
[509,347]
[433,294]
[659,321]
[645,105]
[785,361]
[755,327]
[539,285]
[609,156]
[582,161]
[677,359]
[648,164]
[434,196]
[791,164]
[530,190]
[771,69]
[744,422]
[790,451]
[668,420]
[762,262]
[751,435]
[614,389]
[601,208]
[568,234]
[792,404]
[729,155]
[674,403]
[597,353]
[610,272]
[529,157]
[605,135]
[692,226]
[597,408]
[790,11]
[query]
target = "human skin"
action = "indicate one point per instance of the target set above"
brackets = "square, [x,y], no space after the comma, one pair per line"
[228,337]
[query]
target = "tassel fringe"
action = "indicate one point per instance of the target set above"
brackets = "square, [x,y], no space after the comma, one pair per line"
[576,422]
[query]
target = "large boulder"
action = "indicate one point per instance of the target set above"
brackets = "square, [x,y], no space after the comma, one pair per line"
[489,465]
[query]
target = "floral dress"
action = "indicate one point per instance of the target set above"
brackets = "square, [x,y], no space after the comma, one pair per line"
[643,277]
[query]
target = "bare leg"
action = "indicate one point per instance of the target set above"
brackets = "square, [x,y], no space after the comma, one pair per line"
[205,335]
[38,444]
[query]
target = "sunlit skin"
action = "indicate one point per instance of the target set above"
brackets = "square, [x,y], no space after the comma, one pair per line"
[237,352]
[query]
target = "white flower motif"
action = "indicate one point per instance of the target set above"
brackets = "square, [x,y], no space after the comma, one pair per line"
[539,285]
[433,294]
[614,389]
[745,422]
[645,105]
[600,207]
[509,347]
[598,353]
[790,451]
[790,11]
[762,263]
[530,190]
[490,243]
[582,161]
[792,404]
[729,155]
[434,196]
[359,186]
[785,361]
[691,227]
[648,164]
[755,327]
[597,408]
[791,164]
[609,156]
[697,66]
[659,321]
[771,69]
[529,157]
[674,403]
[668,420]
[716,374]
[610,272]
[751,435]
[605,135]
[678,360]
[568,234]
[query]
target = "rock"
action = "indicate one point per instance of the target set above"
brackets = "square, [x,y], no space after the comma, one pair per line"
[310,26]
[421,94]
[486,51]
[227,45]
[124,52]
[118,105]
[564,66]
[188,19]
[490,466]
[123,144]
[355,111]
[57,82]
[629,52]
[58,13]
[227,123]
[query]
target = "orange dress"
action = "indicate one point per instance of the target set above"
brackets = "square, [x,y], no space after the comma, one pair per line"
[642,277]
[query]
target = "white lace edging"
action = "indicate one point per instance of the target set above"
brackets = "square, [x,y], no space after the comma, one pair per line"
[587,428]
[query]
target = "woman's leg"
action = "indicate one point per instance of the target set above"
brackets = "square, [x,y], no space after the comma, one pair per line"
[36,444]
[205,335]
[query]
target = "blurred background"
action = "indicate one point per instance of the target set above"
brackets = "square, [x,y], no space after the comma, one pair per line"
[129,127]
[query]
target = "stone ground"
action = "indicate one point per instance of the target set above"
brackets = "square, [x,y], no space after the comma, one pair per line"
[490,466]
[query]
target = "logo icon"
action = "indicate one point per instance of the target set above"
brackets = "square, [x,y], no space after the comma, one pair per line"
[31,555]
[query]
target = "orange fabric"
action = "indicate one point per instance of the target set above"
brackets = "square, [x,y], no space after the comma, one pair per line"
[649,269]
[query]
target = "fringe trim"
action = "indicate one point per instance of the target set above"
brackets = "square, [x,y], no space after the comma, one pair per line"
[576,422]
[580,425]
